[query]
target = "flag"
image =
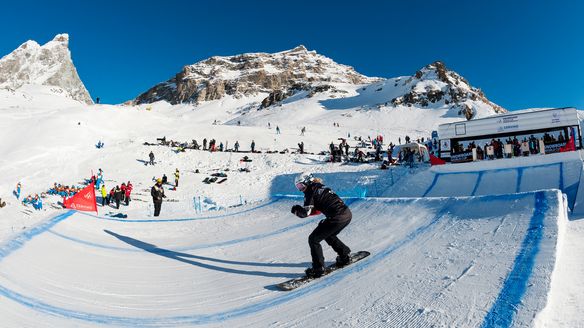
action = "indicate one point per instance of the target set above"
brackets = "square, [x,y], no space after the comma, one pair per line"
[436,161]
[84,200]
[570,145]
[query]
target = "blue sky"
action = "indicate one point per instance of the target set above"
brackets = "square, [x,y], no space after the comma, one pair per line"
[522,54]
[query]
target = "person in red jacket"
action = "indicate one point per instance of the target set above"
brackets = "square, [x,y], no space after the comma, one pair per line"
[128,192]
[320,199]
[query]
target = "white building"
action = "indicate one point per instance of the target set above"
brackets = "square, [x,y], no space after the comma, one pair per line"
[551,127]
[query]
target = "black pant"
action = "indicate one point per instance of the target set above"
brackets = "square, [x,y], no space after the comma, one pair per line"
[103,201]
[328,230]
[157,206]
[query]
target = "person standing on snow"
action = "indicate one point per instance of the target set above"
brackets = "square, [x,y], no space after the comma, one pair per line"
[320,199]
[103,194]
[129,188]
[151,156]
[176,176]
[157,193]
[252,146]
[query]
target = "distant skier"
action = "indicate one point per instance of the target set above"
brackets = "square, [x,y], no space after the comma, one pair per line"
[205,144]
[151,156]
[277,129]
[157,193]
[252,146]
[236,146]
[176,177]
[320,199]
[16,191]
[301,147]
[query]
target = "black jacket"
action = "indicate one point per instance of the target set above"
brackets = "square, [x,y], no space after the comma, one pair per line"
[157,193]
[320,198]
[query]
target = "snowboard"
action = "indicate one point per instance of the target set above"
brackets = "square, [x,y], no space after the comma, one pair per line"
[298,282]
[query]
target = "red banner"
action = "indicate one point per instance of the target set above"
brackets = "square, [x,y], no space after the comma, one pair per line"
[570,145]
[436,161]
[83,200]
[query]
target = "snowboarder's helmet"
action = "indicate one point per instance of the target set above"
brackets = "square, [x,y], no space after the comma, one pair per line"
[158,180]
[303,181]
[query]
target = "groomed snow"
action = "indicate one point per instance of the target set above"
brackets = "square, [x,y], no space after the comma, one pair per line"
[482,244]
[429,257]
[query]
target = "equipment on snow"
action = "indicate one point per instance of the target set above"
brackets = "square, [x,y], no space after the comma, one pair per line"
[301,281]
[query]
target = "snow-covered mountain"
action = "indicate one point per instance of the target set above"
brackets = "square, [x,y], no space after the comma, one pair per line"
[268,79]
[46,65]
[278,75]
[435,85]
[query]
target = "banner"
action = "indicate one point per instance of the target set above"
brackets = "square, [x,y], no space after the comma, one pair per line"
[436,161]
[465,156]
[83,200]
[570,145]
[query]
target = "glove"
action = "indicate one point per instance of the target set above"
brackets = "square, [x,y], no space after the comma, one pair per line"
[295,209]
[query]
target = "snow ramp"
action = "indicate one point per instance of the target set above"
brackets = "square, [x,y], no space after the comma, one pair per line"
[559,171]
[479,261]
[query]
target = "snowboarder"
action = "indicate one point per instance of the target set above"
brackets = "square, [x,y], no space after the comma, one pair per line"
[301,147]
[176,176]
[320,199]
[277,129]
[164,179]
[302,130]
[151,155]
[236,146]
[157,193]
[205,144]
[252,146]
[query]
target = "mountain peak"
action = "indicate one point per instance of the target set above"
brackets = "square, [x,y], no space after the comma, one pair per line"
[434,83]
[49,65]
[276,75]
[300,48]
[62,38]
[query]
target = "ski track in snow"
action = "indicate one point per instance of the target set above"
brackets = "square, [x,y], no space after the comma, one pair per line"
[420,315]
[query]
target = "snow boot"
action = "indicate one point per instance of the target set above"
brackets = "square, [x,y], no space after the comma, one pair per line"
[314,273]
[343,261]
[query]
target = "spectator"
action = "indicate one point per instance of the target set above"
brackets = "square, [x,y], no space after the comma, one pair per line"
[103,194]
[157,193]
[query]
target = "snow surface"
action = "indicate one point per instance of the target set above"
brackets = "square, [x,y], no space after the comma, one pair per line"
[478,244]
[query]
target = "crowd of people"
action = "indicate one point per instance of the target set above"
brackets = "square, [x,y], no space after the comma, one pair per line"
[35,201]
[510,147]
[206,145]
[118,194]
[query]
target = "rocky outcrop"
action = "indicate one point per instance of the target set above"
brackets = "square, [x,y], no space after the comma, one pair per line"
[49,65]
[435,84]
[279,75]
